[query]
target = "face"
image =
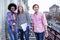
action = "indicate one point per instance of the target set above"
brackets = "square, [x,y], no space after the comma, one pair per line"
[36,8]
[12,8]
[20,8]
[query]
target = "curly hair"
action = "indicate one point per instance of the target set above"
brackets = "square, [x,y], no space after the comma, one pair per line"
[10,5]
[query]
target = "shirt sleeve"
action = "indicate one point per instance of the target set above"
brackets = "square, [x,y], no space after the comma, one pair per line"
[44,19]
[17,21]
[32,21]
[8,19]
[14,20]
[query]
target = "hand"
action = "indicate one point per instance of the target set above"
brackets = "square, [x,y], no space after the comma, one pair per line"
[13,30]
[32,30]
[14,16]
[14,24]
[46,34]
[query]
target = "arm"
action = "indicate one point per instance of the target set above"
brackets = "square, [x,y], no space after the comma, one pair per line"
[44,22]
[32,23]
[32,26]
[8,19]
[14,19]
[45,25]
[17,21]
[28,18]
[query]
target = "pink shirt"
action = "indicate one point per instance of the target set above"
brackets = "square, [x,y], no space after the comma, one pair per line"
[39,21]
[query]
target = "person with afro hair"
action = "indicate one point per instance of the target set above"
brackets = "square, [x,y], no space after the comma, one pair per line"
[11,21]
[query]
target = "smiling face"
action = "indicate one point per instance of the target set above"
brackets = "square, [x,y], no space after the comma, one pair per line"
[20,8]
[36,8]
[12,8]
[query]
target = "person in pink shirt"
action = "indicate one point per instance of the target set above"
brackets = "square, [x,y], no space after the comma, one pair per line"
[39,23]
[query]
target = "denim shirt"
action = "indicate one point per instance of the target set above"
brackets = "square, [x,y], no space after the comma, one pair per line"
[9,18]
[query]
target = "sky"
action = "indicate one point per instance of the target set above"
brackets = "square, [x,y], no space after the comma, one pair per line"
[44,4]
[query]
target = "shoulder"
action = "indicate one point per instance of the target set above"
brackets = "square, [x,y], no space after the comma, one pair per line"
[26,12]
[33,16]
[40,13]
[15,12]
[8,13]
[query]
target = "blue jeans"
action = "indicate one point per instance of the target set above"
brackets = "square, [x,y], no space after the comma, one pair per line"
[39,36]
[22,33]
[13,36]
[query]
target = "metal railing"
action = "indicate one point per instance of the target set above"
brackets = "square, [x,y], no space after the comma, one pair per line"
[53,34]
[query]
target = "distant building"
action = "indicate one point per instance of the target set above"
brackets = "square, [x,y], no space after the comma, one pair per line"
[53,10]
[47,15]
[59,11]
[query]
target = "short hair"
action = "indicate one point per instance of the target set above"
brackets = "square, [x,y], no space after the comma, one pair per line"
[35,5]
[10,5]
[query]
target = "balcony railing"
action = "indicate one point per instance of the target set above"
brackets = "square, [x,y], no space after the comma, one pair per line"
[54,30]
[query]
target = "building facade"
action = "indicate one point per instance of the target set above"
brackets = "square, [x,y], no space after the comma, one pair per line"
[53,10]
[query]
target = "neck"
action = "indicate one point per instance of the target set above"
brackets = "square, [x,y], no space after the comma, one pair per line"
[12,11]
[21,12]
[36,12]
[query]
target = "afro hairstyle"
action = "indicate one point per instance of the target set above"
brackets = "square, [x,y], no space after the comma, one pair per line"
[10,5]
